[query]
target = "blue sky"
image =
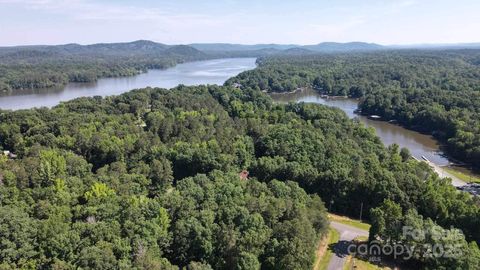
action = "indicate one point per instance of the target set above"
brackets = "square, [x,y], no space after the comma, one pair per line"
[239,21]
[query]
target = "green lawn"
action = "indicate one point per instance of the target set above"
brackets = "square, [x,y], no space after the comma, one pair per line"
[351,222]
[333,237]
[469,178]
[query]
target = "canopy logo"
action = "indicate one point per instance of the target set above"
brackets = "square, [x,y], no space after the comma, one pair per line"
[414,243]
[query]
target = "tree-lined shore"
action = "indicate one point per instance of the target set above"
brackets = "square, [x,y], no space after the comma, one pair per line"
[207,177]
[431,91]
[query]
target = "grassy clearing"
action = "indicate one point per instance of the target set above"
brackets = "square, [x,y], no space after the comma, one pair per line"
[321,263]
[348,221]
[321,249]
[466,177]
[361,239]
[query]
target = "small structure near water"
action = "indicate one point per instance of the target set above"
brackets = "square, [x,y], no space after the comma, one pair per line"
[374,117]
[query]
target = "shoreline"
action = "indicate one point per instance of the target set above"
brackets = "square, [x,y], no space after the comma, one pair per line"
[453,164]
[50,97]
[61,86]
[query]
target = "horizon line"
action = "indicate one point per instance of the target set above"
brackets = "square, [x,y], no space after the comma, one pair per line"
[253,44]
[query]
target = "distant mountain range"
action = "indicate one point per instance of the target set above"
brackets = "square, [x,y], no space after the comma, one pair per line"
[140,48]
[340,47]
[239,47]
[324,47]
[208,50]
[438,46]
[321,47]
[43,66]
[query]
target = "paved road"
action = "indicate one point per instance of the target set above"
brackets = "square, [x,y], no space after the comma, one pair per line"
[456,182]
[340,253]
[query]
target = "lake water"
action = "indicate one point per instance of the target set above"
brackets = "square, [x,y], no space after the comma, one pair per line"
[217,72]
[418,144]
[193,73]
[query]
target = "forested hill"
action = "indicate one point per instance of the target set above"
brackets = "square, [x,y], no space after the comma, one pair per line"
[328,47]
[228,47]
[48,66]
[208,177]
[43,66]
[121,49]
[434,91]
[281,49]
[40,66]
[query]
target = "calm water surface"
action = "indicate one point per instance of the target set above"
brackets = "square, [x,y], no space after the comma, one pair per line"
[418,144]
[194,73]
[217,72]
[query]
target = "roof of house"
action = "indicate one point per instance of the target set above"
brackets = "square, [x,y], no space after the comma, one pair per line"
[244,175]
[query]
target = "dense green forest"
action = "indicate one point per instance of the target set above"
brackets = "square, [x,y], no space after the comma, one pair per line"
[53,66]
[151,180]
[436,91]
[30,67]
